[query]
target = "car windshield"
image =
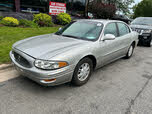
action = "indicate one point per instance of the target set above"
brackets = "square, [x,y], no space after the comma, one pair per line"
[85,30]
[142,21]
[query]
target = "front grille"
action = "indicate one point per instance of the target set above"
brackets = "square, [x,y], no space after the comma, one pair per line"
[21,60]
[138,30]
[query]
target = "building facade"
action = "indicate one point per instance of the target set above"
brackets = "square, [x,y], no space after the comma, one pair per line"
[37,6]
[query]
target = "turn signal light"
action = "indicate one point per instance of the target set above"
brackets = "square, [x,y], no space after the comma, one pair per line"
[62,64]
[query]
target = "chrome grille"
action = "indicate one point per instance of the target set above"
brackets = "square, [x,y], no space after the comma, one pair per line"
[21,60]
[138,30]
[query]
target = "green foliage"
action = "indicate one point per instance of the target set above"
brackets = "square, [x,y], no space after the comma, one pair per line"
[122,5]
[43,20]
[1,17]
[143,9]
[27,23]
[63,18]
[10,21]
[103,11]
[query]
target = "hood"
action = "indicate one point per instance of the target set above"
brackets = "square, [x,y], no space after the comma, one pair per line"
[47,46]
[141,27]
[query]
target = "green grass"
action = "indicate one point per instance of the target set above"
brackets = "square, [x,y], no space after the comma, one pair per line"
[9,35]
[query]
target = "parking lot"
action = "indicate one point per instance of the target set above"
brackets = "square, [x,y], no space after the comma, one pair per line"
[122,87]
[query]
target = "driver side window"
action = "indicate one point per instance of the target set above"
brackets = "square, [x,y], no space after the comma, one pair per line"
[111,29]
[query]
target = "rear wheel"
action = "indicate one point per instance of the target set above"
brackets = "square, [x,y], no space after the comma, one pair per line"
[130,51]
[82,72]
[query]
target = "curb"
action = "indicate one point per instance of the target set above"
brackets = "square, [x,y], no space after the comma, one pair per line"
[5,66]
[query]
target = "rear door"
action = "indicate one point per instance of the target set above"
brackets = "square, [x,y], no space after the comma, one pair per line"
[124,37]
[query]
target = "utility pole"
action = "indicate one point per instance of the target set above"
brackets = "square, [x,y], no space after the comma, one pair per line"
[17,5]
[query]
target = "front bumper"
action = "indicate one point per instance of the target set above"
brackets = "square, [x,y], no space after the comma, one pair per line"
[58,76]
[144,39]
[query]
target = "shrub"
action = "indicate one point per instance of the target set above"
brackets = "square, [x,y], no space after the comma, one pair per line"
[43,20]
[27,23]
[64,18]
[1,17]
[10,21]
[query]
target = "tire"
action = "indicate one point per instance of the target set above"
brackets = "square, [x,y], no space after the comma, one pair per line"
[80,77]
[149,43]
[130,51]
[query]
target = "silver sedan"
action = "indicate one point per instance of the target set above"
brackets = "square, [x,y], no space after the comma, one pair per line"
[72,53]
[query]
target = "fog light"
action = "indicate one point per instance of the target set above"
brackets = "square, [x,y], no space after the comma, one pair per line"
[48,81]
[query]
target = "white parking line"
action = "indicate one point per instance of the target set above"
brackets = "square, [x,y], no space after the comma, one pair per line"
[8,74]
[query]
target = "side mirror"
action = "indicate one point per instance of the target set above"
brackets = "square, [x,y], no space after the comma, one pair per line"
[109,37]
[60,28]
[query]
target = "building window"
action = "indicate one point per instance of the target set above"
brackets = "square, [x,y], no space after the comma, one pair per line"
[76,7]
[33,6]
[7,5]
[62,1]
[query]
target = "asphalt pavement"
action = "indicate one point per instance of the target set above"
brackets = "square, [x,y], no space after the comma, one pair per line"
[122,87]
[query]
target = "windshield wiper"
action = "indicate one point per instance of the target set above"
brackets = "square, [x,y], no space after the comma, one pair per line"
[71,36]
[143,24]
[57,33]
[80,38]
[139,24]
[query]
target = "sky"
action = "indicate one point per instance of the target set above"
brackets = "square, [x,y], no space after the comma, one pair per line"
[137,1]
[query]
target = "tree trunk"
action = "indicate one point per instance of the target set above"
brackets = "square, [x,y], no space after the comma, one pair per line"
[86,8]
[48,6]
[17,5]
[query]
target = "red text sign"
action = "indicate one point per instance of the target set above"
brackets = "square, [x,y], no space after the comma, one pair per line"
[56,8]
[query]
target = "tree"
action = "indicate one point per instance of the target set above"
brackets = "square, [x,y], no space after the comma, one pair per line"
[17,5]
[121,5]
[143,9]
[104,11]
[86,8]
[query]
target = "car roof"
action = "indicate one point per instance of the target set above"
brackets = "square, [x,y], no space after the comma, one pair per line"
[144,17]
[100,20]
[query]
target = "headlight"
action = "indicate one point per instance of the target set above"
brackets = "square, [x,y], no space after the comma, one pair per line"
[146,31]
[49,65]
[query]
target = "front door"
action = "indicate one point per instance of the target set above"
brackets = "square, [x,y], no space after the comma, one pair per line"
[109,49]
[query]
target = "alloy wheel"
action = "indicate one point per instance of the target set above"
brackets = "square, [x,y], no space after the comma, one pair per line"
[83,72]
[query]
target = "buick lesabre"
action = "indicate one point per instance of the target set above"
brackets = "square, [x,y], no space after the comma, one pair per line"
[74,52]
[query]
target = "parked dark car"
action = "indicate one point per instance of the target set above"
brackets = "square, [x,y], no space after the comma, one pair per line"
[143,25]
[123,18]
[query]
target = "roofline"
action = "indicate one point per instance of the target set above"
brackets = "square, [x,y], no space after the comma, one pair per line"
[99,20]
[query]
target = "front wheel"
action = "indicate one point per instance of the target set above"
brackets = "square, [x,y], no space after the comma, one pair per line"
[130,51]
[82,72]
[149,43]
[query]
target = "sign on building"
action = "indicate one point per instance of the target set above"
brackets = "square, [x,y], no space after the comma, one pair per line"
[55,8]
